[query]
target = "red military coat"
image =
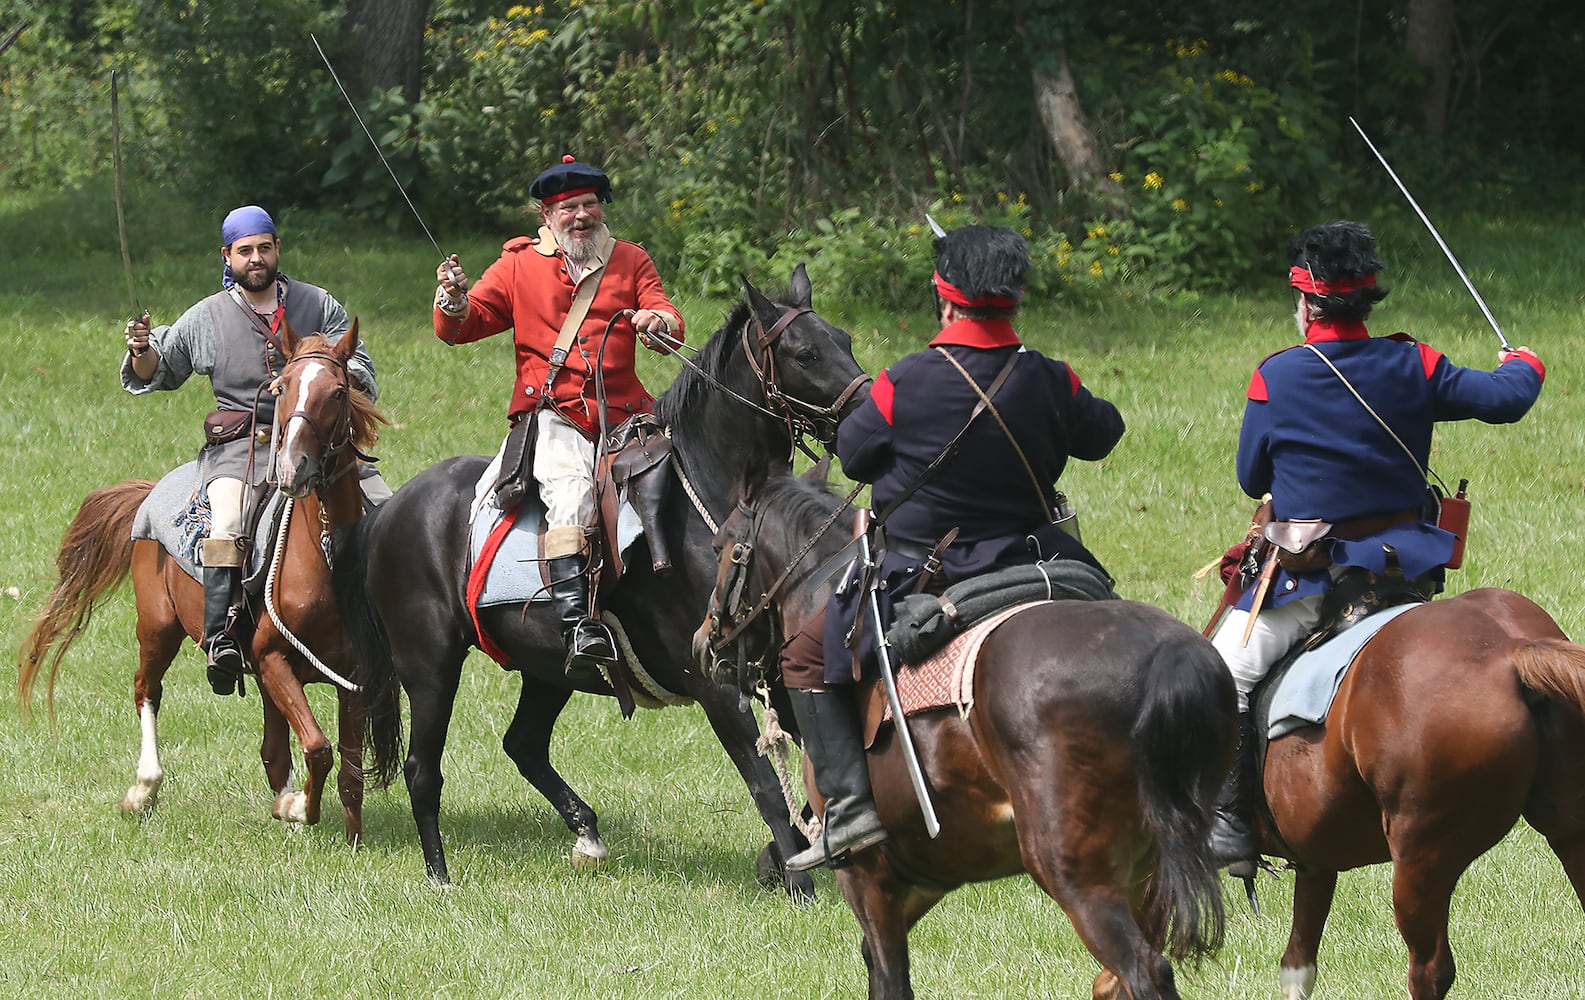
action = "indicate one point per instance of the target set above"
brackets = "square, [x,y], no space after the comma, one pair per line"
[528,291]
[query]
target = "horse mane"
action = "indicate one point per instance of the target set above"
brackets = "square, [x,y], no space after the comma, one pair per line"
[800,503]
[366,413]
[691,386]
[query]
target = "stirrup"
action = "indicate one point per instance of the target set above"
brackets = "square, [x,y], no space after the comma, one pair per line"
[225,666]
[590,644]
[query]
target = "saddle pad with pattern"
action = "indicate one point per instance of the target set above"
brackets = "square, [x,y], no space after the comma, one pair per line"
[945,679]
[176,514]
[1304,694]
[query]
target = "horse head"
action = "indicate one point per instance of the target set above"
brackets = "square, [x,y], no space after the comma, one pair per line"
[319,418]
[771,554]
[804,364]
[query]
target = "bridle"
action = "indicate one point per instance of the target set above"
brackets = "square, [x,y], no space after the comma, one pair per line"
[800,417]
[726,617]
[333,443]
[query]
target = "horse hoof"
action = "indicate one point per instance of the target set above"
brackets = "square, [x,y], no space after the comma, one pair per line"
[589,853]
[141,797]
[291,807]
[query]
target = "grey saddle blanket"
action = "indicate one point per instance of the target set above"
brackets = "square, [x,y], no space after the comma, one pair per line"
[1304,694]
[176,514]
[517,573]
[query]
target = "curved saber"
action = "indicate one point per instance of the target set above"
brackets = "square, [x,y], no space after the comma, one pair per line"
[373,142]
[121,213]
[1434,235]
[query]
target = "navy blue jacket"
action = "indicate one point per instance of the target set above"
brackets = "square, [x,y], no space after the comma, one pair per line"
[917,406]
[1310,443]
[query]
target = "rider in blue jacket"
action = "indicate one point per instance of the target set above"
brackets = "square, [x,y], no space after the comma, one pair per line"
[1338,431]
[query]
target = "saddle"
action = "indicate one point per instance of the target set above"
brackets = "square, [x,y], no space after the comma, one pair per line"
[638,466]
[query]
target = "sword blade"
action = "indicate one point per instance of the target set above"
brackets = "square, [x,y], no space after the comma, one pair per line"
[375,143]
[15,34]
[916,775]
[121,213]
[1434,234]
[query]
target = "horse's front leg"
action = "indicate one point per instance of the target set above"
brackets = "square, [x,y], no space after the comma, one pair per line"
[349,781]
[1312,902]
[886,908]
[280,684]
[527,742]
[275,748]
[739,734]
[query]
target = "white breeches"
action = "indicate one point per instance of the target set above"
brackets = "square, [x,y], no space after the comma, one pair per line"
[225,507]
[564,469]
[1275,632]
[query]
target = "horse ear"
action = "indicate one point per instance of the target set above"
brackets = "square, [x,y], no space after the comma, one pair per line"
[820,472]
[798,291]
[348,343]
[289,338]
[763,306]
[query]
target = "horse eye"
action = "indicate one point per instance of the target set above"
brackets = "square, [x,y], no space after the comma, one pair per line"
[808,357]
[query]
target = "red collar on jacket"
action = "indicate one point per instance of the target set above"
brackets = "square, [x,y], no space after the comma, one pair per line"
[985,333]
[1335,329]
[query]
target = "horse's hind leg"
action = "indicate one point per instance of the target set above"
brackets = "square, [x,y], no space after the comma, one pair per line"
[349,781]
[1422,895]
[527,742]
[275,748]
[160,636]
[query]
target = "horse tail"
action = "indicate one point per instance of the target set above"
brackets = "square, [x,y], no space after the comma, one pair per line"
[382,693]
[1186,690]
[1555,669]
[95,556]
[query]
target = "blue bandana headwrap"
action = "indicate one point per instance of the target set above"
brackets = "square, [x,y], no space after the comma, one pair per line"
[249,220]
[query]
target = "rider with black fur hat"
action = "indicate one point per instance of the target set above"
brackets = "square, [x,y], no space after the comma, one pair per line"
[1316,437]
[997,489]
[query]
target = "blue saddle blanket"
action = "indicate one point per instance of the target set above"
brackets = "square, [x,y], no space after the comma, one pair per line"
[1304,694]
[517,573]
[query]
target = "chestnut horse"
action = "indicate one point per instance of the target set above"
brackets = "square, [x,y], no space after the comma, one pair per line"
[1097,738]
[1456,719]
[320,426]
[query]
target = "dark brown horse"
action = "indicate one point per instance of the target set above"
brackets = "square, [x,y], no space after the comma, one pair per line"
[1458,718]
[1098,735]
[321,423]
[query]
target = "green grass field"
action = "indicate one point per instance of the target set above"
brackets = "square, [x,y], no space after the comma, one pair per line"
[209,897]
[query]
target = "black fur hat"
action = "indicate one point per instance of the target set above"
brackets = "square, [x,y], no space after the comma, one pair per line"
[1335,265]
[981,267]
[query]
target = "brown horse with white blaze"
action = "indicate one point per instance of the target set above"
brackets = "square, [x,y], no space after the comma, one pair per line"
[1456,719]
[1098,734]
[295,634]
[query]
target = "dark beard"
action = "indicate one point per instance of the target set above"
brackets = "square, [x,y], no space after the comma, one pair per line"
[257,281]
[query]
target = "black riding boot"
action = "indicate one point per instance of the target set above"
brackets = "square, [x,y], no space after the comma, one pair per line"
[225,656]
[1232,837]
[589,642]
[829,724]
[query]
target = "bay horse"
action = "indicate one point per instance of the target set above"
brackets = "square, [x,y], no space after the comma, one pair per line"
[1097,738]
[772,371]
[1456,719]
[321,425]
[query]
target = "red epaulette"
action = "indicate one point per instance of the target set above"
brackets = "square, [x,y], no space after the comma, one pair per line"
[1429,355]
[1257,384]
[519,243]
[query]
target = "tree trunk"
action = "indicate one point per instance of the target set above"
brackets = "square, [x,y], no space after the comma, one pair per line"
[1065,126]
[387,46]
[1430,44]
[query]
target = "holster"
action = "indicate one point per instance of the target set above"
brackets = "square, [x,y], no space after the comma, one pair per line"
[516,475]
[641,465]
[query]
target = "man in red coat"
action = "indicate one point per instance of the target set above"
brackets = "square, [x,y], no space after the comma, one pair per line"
[557,292]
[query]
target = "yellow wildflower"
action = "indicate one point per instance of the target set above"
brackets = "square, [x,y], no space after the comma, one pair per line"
[1152,181]
[1114,249]
[1179,205]
[1096,269]
[1116,176]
